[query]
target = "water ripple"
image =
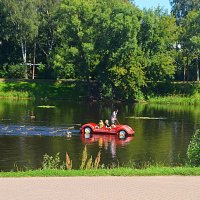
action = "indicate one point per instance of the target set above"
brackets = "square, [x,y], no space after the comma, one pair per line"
[23,130]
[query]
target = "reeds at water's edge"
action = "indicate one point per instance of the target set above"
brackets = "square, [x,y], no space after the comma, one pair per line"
[68,162]
[85,162]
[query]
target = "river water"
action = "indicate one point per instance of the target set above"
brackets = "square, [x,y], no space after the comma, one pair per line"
[28,131]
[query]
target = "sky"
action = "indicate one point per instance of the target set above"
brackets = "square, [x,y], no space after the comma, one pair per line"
[153,3]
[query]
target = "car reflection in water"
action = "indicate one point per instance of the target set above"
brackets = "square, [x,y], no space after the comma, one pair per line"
[106,141]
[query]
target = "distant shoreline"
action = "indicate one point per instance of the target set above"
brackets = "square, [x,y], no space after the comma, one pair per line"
[163,93]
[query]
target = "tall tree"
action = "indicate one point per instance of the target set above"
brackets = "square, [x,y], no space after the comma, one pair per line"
[95,36]
[156,38]
[190,38]
[9,50]
[46,40]
[180,8]
[22,21]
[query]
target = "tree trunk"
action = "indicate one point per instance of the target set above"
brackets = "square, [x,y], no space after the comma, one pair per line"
[197,60]
[23,46]
[187,68]
[34,50]
[184,72]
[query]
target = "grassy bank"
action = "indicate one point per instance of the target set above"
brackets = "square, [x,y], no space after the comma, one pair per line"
[175,99]
[45,89]
[151,171]
[163,93]
[173,93]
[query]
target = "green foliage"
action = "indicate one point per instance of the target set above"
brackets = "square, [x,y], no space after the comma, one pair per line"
[111,42]
[42,89]
[127,80]
[182,92]
[193,151]
[190,32]
[15,95]
[172,92]
[175,99]
[181,8]
[41,68]
[3,71]
[47,27]
[100,36]
[156,38]
[75,53]
[52,162]
[188,46]
[22,22]
[13,71]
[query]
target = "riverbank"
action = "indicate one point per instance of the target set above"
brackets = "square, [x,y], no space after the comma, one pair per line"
[187,93]
[149,171]
[42,89]
[161,93]
[175,99]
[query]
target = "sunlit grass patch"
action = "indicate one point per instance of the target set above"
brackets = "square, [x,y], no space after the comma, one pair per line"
[15,95]
[40,89]
[174,99]
[150,171]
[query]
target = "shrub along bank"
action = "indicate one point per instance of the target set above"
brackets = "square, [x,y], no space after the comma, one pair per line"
[193,151]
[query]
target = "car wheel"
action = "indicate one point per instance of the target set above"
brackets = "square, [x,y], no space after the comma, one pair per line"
[122,134]
[87,132]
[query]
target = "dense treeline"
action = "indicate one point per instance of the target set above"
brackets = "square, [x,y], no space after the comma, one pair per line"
[111,42]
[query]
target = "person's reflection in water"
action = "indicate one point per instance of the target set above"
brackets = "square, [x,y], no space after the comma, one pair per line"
[113,148]
[103,142]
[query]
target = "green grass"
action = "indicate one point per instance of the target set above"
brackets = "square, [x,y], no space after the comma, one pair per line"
[187,93]
[43,89]
[175,99]
[150,171]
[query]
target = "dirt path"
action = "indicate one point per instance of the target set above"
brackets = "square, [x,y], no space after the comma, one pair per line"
[101,188]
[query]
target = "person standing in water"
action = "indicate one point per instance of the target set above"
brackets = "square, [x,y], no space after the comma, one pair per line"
[113,117]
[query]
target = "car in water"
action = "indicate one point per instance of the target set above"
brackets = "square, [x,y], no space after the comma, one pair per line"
[122,131]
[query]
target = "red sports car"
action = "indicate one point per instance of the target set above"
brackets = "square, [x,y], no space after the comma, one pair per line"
[122,131]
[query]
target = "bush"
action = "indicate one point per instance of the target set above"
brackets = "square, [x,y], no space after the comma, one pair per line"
[193,151]
[52,162]
[3,72]
[13,71]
